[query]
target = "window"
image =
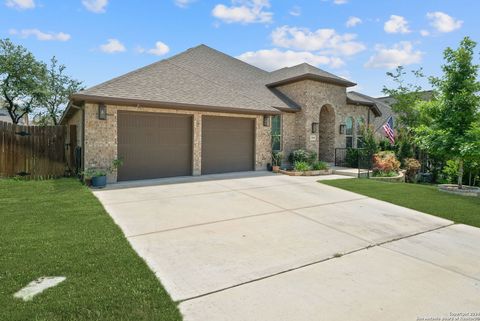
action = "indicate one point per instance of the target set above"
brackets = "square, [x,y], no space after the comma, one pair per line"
[360,127]
[276,133]
[349,132]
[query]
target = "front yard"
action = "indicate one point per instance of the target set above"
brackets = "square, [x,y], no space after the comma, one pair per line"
[58,228]
[423,198]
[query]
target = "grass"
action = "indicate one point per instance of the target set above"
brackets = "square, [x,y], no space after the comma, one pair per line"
[423,198]
[58,228]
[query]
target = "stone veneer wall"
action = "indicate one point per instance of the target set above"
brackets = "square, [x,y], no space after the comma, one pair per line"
[101,136]
[311,96]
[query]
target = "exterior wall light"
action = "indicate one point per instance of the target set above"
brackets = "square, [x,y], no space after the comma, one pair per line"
[266,120]
[102,112]
[314,128]
[342,128]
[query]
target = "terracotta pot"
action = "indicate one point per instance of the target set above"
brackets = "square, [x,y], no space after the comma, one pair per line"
[276,169]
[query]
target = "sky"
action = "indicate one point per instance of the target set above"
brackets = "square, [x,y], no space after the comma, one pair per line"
[360,40]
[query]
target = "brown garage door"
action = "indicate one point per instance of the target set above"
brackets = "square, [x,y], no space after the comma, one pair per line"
[154,145]
[227,144]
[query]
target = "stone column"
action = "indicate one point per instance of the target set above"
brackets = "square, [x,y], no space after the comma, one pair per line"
[197,144]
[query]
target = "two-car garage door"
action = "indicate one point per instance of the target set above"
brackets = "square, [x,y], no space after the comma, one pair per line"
[156,145]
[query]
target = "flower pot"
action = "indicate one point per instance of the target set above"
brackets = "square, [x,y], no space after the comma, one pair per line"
[99,181]
[276,169]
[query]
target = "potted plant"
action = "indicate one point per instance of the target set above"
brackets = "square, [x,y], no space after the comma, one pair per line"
[277,161]
[98,176]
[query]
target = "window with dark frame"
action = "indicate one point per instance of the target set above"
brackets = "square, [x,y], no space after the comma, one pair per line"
[276,133]
[349,132]
[360,126]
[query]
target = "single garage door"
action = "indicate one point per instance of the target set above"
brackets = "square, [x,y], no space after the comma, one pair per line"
[154,145]
[228,144]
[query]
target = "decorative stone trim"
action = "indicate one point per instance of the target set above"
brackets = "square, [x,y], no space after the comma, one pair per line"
[306,173]
[395,179]
[453,189]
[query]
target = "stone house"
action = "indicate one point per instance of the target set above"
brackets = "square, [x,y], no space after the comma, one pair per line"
[204,112]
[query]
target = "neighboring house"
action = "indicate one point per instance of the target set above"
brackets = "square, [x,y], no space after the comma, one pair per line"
[203,112]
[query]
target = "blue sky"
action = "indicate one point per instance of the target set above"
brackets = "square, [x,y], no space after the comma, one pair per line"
[357,39]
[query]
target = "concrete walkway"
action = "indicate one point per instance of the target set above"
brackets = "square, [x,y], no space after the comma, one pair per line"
[258,246]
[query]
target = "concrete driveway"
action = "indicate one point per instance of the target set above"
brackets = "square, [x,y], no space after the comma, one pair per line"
[259,246]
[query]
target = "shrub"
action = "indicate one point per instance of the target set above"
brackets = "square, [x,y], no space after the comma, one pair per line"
[301,155]
[319,166]
[370,143]
[351,158]
[384,174]
[301,166]
[277,158]
[385,162]
[412,166]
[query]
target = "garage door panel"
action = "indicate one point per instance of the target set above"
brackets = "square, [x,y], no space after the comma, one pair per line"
[228,144]
[154,145]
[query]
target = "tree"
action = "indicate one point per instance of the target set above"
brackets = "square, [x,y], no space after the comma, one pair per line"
[57,89]
[21,80]
[406,96]
[454,129]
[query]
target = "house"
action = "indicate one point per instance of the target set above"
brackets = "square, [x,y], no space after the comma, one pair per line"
[204,112]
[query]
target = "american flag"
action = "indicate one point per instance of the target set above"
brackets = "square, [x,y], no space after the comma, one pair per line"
[388,128]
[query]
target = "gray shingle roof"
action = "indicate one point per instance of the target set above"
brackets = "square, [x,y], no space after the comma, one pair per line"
[384,109]
[199,76]
[205,77]
[289,74]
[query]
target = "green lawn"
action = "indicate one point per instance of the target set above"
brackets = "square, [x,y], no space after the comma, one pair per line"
[423,198]
[58,228]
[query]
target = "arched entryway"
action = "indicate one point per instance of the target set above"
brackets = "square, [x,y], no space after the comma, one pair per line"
[326,132]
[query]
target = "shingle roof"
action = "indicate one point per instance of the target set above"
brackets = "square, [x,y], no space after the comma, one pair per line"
[385,111]
[302,71]
[199,76]
[204,77]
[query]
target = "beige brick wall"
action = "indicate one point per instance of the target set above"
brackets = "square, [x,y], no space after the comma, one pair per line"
[101,136]
[312,96]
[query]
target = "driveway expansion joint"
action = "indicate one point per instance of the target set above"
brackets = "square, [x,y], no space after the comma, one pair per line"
[334,256]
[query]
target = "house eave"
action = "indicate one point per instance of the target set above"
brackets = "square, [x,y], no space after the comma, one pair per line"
[344,83]
[170,105]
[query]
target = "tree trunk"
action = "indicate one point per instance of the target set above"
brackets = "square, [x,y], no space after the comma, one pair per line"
[460,174]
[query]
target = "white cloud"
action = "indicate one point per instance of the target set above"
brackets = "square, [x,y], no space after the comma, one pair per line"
[160,49]
[295,11]
[96,6]
[40,35]
[244,11]
[353,21]
[401,54]
[425,33]
[328,41]
[273,59]
[340,1]
[443,22]
[396,24]
[20,4]
[183,3]
[112,46]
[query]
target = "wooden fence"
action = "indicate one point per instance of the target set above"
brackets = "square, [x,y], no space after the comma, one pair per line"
[36,152]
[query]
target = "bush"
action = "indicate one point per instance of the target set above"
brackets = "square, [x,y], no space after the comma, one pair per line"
[412,166]
[301,155]
[319,166]
[301,166]
[351,158]
[385,162]
[384,174]
[277,158]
